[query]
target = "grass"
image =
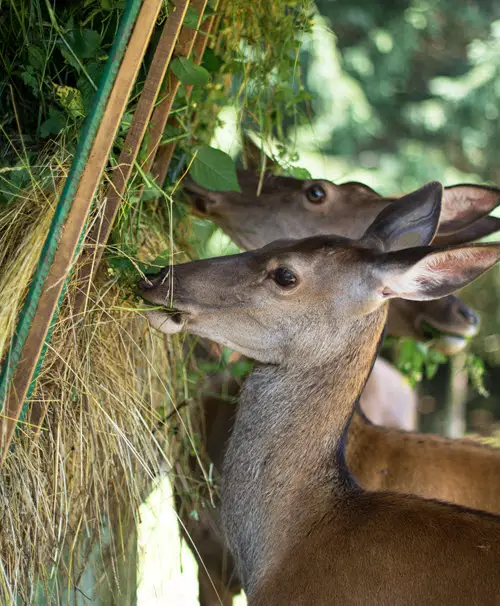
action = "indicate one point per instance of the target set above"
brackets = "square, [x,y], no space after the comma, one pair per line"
[70,491]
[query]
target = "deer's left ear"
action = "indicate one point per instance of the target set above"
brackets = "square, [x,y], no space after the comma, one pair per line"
[409,222]
[464,204]
[421,274]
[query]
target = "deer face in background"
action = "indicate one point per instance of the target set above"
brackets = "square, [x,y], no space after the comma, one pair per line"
[445,323]
[286,208]
[294,208]
[299,300]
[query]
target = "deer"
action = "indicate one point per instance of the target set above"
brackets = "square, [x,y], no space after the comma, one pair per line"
[289,207]
[312,314]
[425,465]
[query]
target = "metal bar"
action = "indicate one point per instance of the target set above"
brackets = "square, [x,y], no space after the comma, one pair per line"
[72,211]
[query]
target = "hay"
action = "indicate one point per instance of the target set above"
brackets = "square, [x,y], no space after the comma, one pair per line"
[107,383]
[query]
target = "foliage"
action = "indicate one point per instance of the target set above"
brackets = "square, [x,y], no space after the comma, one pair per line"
[214,169]
[414,86]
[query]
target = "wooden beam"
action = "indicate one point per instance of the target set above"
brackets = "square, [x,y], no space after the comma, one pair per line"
[183,48]
[100,233]
[76,220]
[165,152]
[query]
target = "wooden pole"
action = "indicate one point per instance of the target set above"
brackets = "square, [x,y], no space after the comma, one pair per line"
[183,48]
[101,231]
[165,152]
[75,221]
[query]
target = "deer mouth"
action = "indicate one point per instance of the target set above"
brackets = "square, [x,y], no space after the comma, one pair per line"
[445,341]
[168,320]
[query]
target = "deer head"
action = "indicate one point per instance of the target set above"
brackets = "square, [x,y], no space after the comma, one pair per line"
[259,302]
[294,208]
[313,312]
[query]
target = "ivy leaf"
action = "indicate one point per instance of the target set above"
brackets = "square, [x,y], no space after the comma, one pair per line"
[36,57]
[189,73]
[191,18]
[85,43]
[54,124]
[214,170]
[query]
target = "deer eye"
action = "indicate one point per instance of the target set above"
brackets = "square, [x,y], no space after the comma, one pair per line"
[315,194]
[284,277]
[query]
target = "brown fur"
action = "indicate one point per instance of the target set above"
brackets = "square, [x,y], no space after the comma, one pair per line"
[300,527]
[349,205]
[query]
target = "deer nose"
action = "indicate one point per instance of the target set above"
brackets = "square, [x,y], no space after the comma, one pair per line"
[470,316]
[151,281]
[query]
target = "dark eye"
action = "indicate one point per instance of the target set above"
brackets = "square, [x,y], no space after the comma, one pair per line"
[284,277]
[315,194]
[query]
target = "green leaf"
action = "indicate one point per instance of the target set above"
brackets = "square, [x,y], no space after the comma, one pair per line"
[211,62]
[71,100]
[54,124]
[189,73]
[94,70]
[300,173]
[191,18]
[70,59]
[85,43]
[36,57]
[172,133]
[214,170]
[29,79]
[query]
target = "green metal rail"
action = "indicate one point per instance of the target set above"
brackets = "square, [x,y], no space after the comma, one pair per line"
[64,204]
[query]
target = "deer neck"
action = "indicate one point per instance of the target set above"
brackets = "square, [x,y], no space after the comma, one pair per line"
[284,468]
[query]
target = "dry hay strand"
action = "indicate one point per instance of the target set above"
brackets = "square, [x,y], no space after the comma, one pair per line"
[74,487]
[23,227]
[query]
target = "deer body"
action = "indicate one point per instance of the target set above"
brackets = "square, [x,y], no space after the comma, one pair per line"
[388,399]
[380,459]
[300,528]
[456,471]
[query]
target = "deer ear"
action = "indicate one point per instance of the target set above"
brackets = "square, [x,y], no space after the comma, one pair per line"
[464,204]
[410,222]
[479,229]
[420,275]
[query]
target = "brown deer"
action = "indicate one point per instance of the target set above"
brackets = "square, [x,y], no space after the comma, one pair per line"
[294,208]
[403,462]
[312,313]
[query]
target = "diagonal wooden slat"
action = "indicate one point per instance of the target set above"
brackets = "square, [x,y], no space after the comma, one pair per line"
[165,152]
[76,219]
[98,236]
[140,121]
[183,48]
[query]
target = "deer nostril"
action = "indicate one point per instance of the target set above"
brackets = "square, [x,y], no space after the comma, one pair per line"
[176,318]
[469,316]
[145,284]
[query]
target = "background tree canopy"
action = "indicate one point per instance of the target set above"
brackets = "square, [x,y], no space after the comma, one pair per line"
[403,93]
